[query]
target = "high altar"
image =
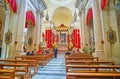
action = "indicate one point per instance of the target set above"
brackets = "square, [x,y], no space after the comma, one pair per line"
[63,39]
[62,32]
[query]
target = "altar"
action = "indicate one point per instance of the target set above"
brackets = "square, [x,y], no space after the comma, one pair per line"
[62,32]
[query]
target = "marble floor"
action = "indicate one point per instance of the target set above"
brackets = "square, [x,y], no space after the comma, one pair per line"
[55,69]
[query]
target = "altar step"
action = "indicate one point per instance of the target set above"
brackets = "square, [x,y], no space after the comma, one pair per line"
[62,48]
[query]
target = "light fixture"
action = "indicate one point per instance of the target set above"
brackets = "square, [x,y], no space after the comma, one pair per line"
[47,16]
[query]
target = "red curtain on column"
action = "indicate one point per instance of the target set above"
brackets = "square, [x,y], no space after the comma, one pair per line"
[73,38]
[104,4]
[57,38]
[76,38]
[13,5]
[30,19]
[43,34]
[49,38]
[68,38]
[89,16]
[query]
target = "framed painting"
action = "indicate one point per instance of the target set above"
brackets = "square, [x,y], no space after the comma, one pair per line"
[63,37]
[8,37]
[111,36]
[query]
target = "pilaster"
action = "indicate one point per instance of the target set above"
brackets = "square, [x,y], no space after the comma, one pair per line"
[4,46]
[19,32]
[98,30]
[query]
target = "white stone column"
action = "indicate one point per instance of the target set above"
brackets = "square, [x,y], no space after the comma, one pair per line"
[20,28]
[4,46]
[98,30]
[81,29]
[41,27]
[84,29]
[37,29]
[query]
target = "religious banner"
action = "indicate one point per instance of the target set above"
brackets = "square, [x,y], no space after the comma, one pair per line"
[13,5]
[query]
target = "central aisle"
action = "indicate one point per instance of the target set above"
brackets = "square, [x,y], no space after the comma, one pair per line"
[55,69]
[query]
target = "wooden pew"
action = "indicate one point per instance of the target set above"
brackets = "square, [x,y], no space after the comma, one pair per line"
[17,68]
[29,62]
[77,62]
[92,72]
[78,55]
[82,58]
[93,75]
[5,77]
[41,59]
[93,68]
[10,74]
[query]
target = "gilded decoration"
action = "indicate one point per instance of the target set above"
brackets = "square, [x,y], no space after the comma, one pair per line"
[8,37]
[111,35]
[62,28]
[30,41]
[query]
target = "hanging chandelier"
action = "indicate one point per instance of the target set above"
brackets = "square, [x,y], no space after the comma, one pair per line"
[47,16]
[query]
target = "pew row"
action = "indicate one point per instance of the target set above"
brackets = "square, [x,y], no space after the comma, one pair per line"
[93,75]
[92,68]
[17,68]
[77,62]
[30,63]
[78,55]
[41,59]
[92,72]
[82,58]
[7,74]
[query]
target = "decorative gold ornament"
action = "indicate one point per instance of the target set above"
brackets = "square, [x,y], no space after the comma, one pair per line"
[8,37]
[30,41]
[111,35]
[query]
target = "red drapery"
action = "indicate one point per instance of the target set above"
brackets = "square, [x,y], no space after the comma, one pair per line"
[57,38]
[104,3]
[49,39]
[76,38]
[68,38]
[43,34]
[30,19]
[13,5]
[89,16]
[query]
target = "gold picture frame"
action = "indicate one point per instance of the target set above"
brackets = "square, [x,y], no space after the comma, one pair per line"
[111,36]
[8,37]
[30,41]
